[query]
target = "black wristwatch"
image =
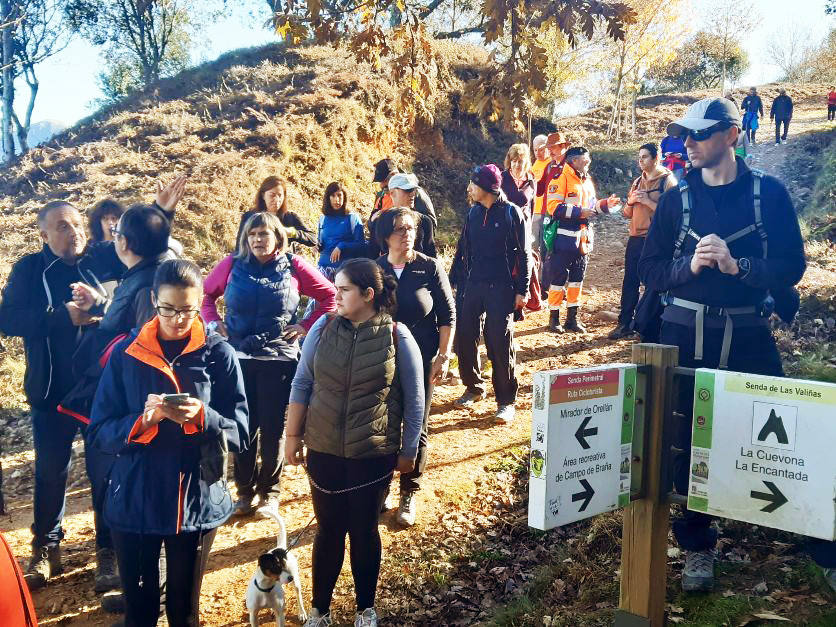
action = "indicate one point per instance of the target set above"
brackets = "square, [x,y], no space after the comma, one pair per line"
[744,266]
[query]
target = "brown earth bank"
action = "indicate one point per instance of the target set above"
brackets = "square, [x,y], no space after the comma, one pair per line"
[314,116]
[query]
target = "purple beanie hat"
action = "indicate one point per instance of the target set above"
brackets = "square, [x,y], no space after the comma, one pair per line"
[488,177]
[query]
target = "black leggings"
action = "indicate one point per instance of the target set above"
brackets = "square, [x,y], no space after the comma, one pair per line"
[267,384]
[355,513]
[186,558]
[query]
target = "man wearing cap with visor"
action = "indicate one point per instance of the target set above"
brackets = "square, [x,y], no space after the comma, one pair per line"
[494,254]
[716,245]
[403,190]
[556,145]
[383,172]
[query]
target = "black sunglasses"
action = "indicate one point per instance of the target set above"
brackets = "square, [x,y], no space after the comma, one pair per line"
[703,134]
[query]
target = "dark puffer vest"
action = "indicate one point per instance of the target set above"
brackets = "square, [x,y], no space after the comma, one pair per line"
[260,302]
[356,408]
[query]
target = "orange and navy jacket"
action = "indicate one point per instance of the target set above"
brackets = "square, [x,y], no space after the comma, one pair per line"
[169,478]
[547,187]
[537,171]
[572,194]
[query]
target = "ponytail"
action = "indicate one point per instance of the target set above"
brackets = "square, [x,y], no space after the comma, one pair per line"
[366,274]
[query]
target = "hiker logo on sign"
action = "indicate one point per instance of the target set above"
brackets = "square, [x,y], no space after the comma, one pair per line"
[774,425]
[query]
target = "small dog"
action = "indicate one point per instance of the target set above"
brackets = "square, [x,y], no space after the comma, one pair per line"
[275,569]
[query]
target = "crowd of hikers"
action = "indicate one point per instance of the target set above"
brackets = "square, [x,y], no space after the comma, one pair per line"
[332,364]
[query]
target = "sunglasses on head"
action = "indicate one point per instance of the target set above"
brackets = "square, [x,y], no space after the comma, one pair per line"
[703,134]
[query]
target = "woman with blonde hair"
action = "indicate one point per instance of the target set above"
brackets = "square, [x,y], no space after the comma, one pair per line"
[518,184]
[261,284]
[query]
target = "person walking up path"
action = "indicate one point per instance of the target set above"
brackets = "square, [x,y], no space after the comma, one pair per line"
[781,112]
[831,104]
[752,107]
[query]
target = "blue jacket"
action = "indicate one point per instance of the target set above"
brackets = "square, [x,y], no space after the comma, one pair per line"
[343,231]
[169,479]
[260,303]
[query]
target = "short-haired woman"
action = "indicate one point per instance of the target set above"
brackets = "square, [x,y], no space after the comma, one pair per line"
[641,204]
[170,404]
[427,307]
[340,235]
[261,285]
[517,181]
[357,403]
[103,219]
[271,197]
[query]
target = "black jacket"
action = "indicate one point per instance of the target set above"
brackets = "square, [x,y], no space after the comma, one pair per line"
[781,108]
[752,104]
[494,246]
[783,267]
[425,301]
[33,308]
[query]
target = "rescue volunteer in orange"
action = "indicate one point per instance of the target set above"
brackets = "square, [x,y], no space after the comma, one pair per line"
[556,146]
[168,483]
[641,204]
[571,202]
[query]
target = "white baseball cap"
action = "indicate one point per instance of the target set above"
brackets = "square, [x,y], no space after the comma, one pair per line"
[404,181]
[539,141]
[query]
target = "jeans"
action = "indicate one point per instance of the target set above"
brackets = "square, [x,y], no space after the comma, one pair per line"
[356,513]
[53,434]
[496,302]
[831,112]
[411,481]
[186,555]
[631,283]
[267,383]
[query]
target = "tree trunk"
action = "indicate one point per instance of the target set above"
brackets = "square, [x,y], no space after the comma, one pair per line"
[8,81]
[635,97]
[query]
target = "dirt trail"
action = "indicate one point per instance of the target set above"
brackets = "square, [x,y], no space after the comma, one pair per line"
[461,441]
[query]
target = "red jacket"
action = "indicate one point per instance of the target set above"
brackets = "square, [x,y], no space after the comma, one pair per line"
[831,98]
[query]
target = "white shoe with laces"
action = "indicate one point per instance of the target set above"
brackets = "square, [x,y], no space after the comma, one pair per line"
[505,414]
[366,618]
[315,619]
[406,509]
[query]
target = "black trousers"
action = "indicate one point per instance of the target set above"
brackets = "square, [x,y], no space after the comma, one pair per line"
[778,135]
[496,302]
[356,513]
[186,555]
[267,383]
[411,481]
[831,112]
[630,285]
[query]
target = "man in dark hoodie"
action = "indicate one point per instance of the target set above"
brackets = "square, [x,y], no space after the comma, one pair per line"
[752,108]
[781,112]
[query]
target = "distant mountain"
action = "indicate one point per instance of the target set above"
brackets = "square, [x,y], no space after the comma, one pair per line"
[42,131]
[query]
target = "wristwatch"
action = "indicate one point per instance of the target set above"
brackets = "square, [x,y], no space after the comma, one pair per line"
[744,266]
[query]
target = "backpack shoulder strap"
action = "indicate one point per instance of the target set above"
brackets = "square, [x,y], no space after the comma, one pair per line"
[757,175]
[685,226]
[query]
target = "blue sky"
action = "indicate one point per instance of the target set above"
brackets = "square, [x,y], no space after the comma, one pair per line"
[68,80]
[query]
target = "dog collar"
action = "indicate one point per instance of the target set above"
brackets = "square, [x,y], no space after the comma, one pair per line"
[255,582]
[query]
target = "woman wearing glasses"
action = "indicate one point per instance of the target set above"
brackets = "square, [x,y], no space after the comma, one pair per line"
[261,285]
[427,307]
[170,404]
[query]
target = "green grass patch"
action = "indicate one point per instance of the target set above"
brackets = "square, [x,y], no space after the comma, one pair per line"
[511,461]
[713,609]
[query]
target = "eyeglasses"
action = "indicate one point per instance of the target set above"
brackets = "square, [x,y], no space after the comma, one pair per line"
[171,312]
[703,134]
[403,230]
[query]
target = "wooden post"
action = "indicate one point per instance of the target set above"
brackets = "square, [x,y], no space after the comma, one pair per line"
[644,543]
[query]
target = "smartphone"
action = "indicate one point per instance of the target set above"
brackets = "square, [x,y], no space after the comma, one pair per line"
[175,399]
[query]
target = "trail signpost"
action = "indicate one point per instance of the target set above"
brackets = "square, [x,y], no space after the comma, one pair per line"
[581,443]
[762,451]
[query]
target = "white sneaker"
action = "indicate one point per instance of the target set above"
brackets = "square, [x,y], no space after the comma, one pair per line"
[366,618]
[783,141]
[317,620]
[777,143]
[406,509]
[505,414]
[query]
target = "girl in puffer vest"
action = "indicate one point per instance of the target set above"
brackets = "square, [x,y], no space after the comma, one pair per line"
[357,404]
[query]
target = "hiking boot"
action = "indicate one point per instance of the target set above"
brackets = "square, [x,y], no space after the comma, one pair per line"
[830,577]
[243,506]
[107,575]
[468,398]
[113,601]
[619,332]
[315,619]
[505,414]
[572,323]
[406,509]
[698,574]
[366,618]
[45,564]
[554,321]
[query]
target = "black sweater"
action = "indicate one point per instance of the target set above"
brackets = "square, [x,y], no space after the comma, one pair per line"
[425,301]
[783,267]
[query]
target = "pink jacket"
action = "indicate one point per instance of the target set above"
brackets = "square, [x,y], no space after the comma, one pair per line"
[306,280]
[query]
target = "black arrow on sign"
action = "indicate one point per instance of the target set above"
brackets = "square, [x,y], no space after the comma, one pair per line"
[585,496]
[582,433]
[774,496]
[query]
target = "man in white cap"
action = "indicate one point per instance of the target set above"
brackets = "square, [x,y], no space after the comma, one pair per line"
[706,254]
[403,188]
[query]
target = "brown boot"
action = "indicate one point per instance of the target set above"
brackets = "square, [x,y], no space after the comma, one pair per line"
[554,321]
[45,564]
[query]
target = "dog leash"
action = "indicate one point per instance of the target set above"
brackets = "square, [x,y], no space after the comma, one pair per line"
[299,535]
